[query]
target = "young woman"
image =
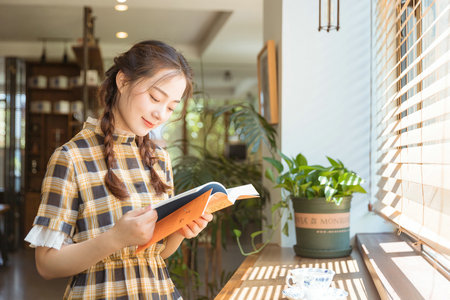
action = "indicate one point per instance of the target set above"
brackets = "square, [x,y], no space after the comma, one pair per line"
[99,187]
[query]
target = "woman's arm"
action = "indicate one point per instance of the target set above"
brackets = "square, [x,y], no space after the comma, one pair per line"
[189,231]
[134,228]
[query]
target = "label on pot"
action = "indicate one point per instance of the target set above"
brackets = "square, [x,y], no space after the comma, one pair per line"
[322,221]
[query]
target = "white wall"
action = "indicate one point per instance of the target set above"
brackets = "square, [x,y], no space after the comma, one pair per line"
[325,93]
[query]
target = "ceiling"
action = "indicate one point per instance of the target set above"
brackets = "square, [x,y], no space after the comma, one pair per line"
[214,35]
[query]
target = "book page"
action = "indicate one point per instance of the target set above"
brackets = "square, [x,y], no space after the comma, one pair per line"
[242,192]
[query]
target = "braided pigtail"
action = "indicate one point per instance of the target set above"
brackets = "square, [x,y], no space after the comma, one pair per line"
[113,183]
[146,148]
[107,95]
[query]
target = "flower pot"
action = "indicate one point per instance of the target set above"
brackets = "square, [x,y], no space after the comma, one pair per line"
[322,228]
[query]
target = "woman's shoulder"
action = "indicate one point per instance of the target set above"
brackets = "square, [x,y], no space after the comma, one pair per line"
[161,153]
[84,140]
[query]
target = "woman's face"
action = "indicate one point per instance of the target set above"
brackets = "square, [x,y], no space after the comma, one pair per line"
[143,106]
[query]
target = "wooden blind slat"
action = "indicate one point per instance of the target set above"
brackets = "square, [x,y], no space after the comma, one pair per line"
[411,117]
[444,59]
[428,92]
[427,154]
[432,174]
[388,53]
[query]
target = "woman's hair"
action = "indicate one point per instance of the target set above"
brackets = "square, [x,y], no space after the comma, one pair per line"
[143,60]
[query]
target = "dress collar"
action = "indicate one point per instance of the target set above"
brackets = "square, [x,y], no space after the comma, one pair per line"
[118,137]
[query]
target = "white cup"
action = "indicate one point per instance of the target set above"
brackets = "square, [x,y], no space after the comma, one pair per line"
[314,282]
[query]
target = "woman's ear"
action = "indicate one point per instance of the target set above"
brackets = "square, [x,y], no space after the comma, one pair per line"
[120,81]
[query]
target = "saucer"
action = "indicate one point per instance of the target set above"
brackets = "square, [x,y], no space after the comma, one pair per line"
[335,294]
[293,293]
[330,294]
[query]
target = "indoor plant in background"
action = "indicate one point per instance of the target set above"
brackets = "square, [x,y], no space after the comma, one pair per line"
[321,197]
[205,161]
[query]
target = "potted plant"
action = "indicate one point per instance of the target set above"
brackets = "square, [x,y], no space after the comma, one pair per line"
[321,197]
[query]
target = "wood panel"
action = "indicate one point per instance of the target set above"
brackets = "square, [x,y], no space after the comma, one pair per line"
[263,276]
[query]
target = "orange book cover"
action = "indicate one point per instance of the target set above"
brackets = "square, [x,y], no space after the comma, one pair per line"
[176,212]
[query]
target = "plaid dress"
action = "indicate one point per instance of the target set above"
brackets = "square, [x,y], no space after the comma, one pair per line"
[76,201]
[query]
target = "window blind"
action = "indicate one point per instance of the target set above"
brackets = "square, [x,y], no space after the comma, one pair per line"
[411,115]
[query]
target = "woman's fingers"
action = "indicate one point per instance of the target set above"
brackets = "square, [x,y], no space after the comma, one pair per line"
[187,232]
[139,211]
[207,217]
[201,223]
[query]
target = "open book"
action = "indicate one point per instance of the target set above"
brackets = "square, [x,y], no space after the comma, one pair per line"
[182,209]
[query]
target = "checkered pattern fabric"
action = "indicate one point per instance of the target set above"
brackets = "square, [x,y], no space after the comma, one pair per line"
[76,201]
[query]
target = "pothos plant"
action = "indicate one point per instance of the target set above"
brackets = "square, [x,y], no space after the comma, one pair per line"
[300,180]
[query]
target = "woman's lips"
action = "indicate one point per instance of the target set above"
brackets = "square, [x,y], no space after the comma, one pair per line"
[148,124]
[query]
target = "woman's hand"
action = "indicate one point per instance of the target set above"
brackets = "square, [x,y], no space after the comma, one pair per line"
[135,227]
[192,229]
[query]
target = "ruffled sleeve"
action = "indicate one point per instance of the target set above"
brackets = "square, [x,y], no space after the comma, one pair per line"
[58,211]
[40,236]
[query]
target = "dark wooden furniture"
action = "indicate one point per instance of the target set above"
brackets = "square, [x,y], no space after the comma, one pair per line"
[3,241]
[263,275]
[45,131]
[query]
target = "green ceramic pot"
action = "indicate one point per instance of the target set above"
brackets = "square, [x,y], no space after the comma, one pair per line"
[322,228]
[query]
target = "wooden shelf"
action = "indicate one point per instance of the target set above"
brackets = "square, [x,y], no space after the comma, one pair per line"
[94,55]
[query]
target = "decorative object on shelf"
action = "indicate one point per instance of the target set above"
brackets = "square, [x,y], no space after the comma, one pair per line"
[267,83]
[76,108]
[61,107]
[92,78]
[39,82]
[58,82]
[34,166]
[41,106]
[329,14]
[321,198]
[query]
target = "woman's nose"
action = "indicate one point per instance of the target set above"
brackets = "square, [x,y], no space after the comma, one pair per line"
[156,114]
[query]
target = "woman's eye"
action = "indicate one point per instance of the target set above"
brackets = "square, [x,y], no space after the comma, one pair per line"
[171,109]
[154,99]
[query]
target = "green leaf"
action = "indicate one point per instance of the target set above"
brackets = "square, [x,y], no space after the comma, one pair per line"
[301,160]
[333,162]
[290,216]
[237,232]
[269,175]
[276,206]
[256,233]
[356,189]
[324,180]
[329,192]
[338,200]
[286,229]
[304,186]
[288,160]
[277,164]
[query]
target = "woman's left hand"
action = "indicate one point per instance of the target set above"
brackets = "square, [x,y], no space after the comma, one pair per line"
[192,229]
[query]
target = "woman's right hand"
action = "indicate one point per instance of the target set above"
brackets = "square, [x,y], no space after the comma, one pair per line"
[135,227]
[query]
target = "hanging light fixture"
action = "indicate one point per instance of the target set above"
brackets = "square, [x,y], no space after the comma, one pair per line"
[329,15]
[65,59]
[44,51]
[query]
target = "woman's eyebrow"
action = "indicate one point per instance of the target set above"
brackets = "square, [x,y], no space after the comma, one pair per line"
[161,91]
[164,93]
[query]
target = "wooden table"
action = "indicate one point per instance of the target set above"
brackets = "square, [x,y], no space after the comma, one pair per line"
[263,275]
